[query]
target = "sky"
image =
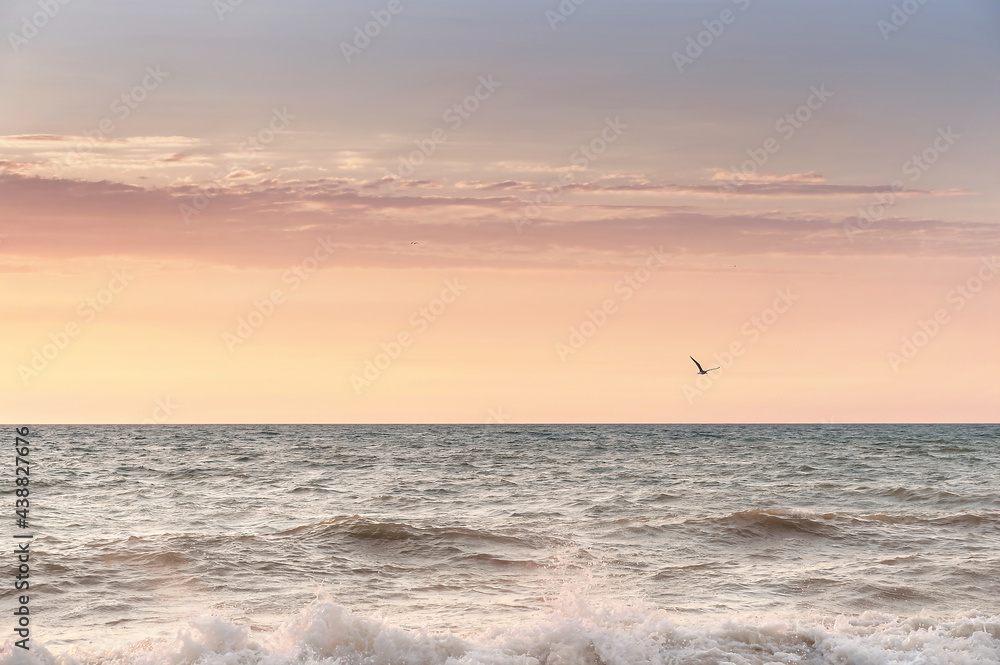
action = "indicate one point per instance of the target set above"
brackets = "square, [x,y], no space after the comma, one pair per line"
[402,211]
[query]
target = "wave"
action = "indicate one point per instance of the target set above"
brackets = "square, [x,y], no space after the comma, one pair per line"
[330,634]
[366,529]
[759,523]
[934,496]
[357,538]
[773,522]
[985,518]
[336,530]
[780,520]
[921,494]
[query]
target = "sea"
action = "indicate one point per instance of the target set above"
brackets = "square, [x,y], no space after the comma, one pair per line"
[509,545]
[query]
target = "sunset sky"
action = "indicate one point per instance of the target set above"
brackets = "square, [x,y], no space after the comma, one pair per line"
[499,212]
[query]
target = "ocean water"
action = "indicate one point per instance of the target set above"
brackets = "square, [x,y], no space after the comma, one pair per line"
[513,545]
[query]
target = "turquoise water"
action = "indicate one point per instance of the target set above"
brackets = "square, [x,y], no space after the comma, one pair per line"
[526,544]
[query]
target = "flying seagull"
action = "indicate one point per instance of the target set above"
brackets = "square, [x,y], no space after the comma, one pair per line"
[700,370]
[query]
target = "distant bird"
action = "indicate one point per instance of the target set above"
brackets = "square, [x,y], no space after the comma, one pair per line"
[700,370]
[414,243]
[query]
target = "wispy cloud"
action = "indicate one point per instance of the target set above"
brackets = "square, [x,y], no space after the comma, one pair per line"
[261,223]
[795,185]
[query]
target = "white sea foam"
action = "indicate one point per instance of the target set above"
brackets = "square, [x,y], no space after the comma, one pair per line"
[577,634]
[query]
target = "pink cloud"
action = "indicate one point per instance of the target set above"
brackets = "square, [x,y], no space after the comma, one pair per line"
[270,223]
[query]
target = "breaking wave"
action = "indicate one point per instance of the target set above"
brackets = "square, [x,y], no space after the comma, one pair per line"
[330,634]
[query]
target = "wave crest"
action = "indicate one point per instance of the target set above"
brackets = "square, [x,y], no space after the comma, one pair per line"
[330,634]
